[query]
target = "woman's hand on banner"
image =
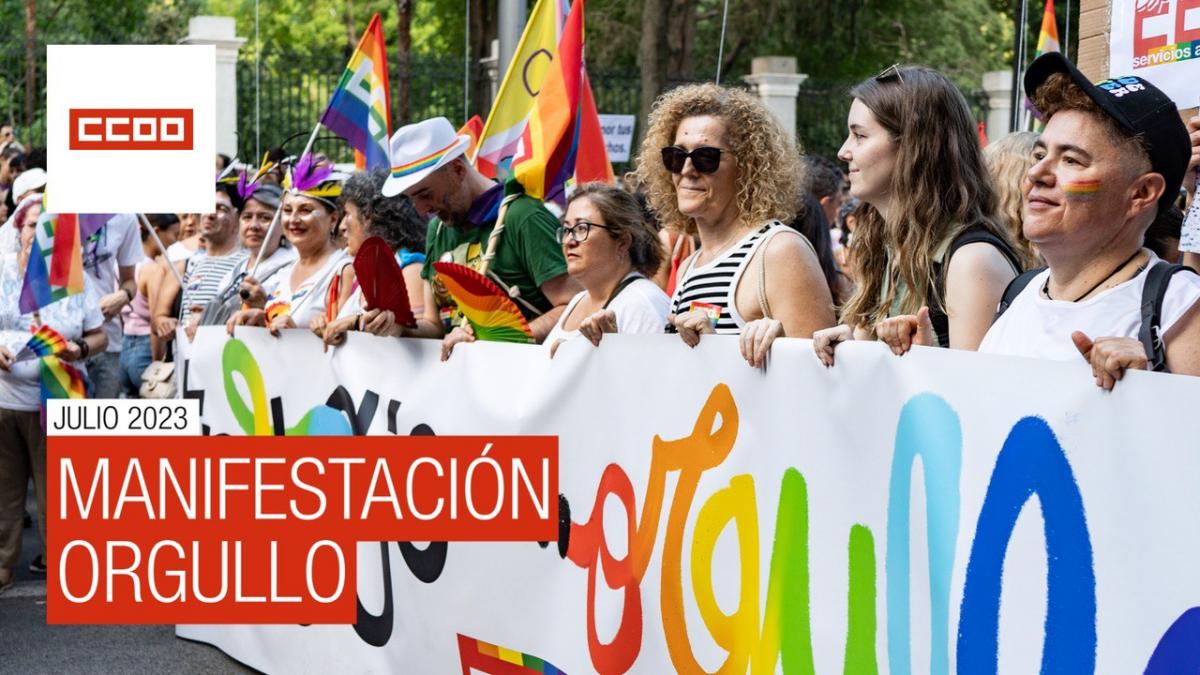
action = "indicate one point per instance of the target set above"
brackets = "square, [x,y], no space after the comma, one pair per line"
[691,325]
[825,340]
[757,338]
[902,332]
[595,326]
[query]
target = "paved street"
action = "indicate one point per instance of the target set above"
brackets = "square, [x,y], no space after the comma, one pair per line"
[28,645]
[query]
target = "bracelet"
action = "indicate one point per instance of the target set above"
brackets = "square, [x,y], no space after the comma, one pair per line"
[84,347]
[128,293]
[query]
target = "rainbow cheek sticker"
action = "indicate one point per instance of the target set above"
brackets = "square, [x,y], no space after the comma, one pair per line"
[1082,189]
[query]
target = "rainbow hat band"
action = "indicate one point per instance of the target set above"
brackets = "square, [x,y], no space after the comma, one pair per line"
[420,149]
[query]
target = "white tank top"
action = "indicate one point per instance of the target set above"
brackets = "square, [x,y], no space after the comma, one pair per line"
[1038,327]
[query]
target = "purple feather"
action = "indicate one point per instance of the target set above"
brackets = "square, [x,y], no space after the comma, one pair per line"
[307,175]
[245,188]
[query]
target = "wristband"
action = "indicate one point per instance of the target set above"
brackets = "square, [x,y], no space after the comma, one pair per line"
[84,348]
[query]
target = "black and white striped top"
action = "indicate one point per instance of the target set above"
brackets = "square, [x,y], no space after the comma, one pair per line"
[715,282]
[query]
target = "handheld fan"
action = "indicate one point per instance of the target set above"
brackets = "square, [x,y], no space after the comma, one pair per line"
[381,280]
[489,309]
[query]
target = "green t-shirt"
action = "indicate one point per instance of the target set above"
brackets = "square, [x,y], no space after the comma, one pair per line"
[526,257]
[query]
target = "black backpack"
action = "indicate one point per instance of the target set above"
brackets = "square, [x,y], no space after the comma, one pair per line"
[1153,293]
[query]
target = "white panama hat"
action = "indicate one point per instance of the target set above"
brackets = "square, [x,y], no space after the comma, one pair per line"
[420,149]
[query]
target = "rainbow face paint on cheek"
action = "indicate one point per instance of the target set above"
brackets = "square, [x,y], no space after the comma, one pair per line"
[1082,189]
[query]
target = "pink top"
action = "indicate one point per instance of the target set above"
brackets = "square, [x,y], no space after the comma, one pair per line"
[137,313]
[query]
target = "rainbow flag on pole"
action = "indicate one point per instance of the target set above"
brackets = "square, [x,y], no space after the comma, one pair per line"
[360,110]
[1048,37]
[546,156]
[522,82]
[55,267]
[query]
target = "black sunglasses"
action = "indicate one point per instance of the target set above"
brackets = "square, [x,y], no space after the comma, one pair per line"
[705,159]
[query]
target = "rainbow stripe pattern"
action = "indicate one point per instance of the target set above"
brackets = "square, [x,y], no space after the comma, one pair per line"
[490,311]
[546,158]
[45,342]
[424,162]
[59,380]
[360,109]
[277,308]
[489,658]
[1082,189]
[55,267]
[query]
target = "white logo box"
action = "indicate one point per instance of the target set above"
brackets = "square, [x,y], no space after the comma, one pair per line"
[137,77]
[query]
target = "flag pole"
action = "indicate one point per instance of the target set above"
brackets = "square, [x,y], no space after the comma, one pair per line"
[273,230]
[162,249]
[1018,44]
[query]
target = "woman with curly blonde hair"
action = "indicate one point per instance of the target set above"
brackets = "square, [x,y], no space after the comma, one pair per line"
[1008,160]
[716,164]
[931,257]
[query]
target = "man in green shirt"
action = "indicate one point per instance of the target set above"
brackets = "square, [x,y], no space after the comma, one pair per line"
[430,168]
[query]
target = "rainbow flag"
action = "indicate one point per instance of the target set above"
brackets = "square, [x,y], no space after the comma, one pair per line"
[360,110]
[489,658]
[55,267]
[474,129]
[45,342]
[591,164]
[1048,37]
[546,156]
[490,311]
[522,82]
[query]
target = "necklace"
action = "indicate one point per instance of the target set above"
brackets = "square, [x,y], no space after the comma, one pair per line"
[1046,286]
[718,250]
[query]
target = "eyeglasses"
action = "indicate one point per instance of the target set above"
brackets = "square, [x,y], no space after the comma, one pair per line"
[579,231]
[705,159]
[891,71]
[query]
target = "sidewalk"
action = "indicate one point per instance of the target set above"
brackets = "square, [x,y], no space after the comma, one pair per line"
[30,646]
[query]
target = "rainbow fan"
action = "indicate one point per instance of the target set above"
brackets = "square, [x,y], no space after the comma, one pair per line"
[491,312]
[45,342]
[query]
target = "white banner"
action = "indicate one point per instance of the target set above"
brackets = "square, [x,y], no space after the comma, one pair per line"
[939,512]
[1158,40]
[618,135]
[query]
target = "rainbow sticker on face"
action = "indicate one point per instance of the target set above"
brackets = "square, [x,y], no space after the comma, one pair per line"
[1082,189]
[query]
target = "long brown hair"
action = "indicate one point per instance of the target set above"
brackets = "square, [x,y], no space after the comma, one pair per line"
[939,187]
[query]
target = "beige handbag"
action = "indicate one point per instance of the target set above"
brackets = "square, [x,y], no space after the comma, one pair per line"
[158,380]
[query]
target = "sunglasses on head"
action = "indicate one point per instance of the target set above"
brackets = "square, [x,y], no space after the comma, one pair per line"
[890,72]
[705,159]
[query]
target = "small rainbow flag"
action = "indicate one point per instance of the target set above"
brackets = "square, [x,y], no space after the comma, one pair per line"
[546,157]
[55,267]
[474,129]
[360,109]
[1082,189]
[45,342]
[491,312]
[489,658]
[277,308]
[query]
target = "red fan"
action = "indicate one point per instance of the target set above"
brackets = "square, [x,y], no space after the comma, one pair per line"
[381,280]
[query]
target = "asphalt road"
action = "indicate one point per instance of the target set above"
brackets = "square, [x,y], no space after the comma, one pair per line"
[28,645]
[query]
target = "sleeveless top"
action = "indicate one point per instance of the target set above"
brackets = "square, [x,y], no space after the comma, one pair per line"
[937,312]
[712,286]
[136,315]
[309,299]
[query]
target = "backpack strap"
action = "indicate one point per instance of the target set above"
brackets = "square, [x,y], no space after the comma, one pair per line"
[974,234]
[1014,289]
[1150,334]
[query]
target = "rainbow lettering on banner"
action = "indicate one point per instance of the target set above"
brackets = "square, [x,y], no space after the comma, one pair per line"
[489,658]
[1082,189]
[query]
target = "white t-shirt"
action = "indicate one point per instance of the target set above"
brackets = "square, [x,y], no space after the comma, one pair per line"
[177,252]
[117,244]
[641,307]
[1038,327]
[309,298]
[20,388]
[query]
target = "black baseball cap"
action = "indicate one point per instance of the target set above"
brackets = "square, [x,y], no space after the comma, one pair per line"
[1138,107]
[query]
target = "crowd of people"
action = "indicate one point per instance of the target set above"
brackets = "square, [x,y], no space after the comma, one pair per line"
[1062,244]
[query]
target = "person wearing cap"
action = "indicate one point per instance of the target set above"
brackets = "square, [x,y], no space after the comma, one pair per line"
[429,167]
[203,272]
[321,278]
[1111,156]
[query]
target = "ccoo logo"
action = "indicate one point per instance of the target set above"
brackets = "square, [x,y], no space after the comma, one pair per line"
[130,129]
